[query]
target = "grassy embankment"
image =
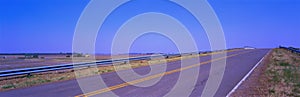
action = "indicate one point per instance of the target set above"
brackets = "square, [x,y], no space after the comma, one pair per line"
[277,76]
[283,74]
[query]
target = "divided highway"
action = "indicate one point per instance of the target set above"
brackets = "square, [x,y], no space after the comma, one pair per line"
[239,63]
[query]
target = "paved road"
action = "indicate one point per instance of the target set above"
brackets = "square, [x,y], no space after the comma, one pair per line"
[239,63]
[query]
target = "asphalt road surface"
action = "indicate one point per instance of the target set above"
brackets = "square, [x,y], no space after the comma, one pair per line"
[175,79]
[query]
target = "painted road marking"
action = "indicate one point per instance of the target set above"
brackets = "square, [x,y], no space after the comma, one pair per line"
[247,75]
[111,88]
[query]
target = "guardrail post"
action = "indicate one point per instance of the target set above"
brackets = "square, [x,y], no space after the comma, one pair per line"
[28,75]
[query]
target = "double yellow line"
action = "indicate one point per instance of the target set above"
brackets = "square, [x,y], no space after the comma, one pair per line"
[152,77]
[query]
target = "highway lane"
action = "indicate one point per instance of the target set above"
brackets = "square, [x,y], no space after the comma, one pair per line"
[237,66]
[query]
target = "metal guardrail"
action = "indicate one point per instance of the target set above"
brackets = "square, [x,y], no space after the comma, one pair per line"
[28,71]
[291,49]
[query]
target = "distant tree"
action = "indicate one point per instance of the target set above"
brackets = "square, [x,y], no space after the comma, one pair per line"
[78,55]
[35,56]
[26,56]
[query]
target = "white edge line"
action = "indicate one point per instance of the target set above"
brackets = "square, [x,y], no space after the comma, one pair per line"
[246,76]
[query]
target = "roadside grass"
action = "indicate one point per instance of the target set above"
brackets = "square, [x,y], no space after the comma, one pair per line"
[282,74]
[8,86]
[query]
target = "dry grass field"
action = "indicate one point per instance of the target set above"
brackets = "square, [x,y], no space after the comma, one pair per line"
[13,61]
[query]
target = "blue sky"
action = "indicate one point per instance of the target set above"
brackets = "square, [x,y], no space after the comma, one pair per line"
[48,26]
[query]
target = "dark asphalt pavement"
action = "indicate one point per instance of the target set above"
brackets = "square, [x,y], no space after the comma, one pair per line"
[236,68]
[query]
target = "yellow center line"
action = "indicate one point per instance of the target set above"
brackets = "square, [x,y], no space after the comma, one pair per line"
[176,59]
[152,77]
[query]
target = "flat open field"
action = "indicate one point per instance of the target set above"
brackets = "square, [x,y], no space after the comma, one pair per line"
[14,62]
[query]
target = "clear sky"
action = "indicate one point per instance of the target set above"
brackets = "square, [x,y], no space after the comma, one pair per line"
[48,26]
